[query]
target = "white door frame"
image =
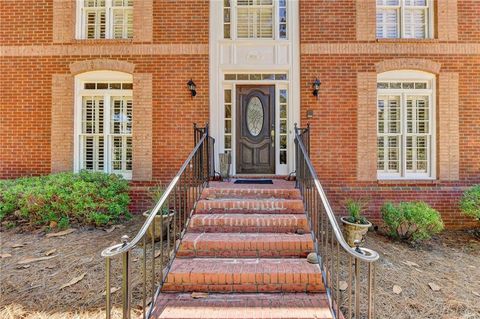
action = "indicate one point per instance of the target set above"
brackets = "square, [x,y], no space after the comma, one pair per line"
[232,57]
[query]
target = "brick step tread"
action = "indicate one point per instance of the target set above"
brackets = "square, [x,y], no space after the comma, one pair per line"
[245,245]
[249,223]
[250,193]
[275,205]
[242,306]
[243,275]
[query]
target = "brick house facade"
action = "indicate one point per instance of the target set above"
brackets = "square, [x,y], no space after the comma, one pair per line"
[45,51]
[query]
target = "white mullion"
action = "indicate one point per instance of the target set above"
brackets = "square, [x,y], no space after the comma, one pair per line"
[403,139]
[108,19]
[106,131]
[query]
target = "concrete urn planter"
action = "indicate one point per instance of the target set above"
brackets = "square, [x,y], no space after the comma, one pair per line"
[353,232]
[167,219]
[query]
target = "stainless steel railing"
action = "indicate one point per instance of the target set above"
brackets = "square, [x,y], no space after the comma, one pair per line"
[179,200]
[339,262]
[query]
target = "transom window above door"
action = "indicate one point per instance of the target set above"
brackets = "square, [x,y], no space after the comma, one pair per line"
[255,19]
[404,19]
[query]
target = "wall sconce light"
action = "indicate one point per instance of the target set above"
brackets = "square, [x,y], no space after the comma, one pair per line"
[192,87]
[316,87]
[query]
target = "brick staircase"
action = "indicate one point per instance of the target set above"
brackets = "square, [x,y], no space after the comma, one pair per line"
[245,250]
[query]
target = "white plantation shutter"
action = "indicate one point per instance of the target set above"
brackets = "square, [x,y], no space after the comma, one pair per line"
[121,134]
[387,23]
[415,21]
[112,19]
[122,19]
[403,18]
[255,19]
[92,140]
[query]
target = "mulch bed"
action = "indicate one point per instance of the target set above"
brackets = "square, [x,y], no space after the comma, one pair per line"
[33,290]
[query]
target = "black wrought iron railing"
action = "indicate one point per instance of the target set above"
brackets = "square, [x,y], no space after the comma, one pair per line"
[348,273]
[151,252]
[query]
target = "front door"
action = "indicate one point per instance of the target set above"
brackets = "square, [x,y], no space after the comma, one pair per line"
[256,129]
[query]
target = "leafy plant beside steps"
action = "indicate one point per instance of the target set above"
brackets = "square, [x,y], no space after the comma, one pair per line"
[86,198]
[411,221]
[470,202]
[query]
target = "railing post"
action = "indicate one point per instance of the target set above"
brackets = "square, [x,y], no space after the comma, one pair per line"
[107,291]
[126,280]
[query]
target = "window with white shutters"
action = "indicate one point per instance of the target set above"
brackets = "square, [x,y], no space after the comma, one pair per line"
[106,19]
[404,126]
[404,18]
[255,19]
[105,135]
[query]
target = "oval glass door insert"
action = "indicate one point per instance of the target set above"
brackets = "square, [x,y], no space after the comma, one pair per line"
[255,116]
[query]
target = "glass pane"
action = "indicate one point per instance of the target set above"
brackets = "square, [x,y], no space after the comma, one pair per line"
[283,111]
[283,127]
[283,96]
[127,86]
[283,157]
[228,126]
[115,86]
[254,116]
[230,77]
[228,141]
[228,96]
[90,86]
[242,77]
[280,77]
[283,142]
[228,111]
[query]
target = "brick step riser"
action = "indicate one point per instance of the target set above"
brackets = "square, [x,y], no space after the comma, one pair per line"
[247,229]
[249,288]
[200,211]
[285,206]
[242,253]
[212,193]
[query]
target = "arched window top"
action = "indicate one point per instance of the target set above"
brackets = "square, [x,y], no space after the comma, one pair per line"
[405,75]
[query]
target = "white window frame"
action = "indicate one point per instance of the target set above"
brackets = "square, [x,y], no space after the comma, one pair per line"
[80,29]
[410,76]
[80,92]
[276,22]
[400,8]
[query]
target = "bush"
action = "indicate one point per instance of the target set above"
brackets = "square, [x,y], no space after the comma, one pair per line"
[65,198]
[411,221]
[470,202]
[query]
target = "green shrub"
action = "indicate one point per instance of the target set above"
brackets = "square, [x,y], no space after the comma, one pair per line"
[470,202]
[65,198]
[411,221]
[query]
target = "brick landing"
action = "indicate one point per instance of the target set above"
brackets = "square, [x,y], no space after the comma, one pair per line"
[246,248]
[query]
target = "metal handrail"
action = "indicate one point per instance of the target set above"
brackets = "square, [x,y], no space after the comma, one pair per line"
[179,199]
[365,254]
[121,248]
[335,263]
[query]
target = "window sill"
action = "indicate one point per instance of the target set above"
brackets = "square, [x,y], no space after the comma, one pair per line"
[103,41]
[407,181]
[405,40]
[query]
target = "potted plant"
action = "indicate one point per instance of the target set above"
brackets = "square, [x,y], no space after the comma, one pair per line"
[355,226]
[164,215]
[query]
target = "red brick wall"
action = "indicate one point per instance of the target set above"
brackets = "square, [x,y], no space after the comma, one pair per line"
[334,126]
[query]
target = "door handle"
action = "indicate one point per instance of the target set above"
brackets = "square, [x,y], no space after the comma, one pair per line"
[272,137]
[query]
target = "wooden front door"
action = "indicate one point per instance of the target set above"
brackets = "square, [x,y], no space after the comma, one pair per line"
[255,129]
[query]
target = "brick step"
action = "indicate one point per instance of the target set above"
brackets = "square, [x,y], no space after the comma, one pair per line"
[242,306]
[249,193]
[248,223]
[263,206]
[227,275]
[245,245]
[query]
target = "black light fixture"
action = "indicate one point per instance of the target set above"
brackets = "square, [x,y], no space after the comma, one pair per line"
[316,87]
[192,87]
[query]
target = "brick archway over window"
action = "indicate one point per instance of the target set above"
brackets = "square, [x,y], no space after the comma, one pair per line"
[101,64]
[408,64]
